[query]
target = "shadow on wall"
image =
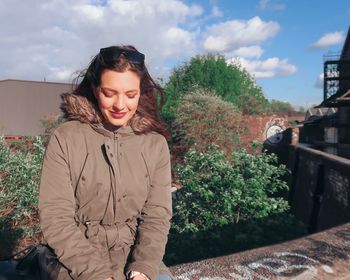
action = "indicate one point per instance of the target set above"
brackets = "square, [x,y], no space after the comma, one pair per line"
[219,241]
[319,182]
[277,141]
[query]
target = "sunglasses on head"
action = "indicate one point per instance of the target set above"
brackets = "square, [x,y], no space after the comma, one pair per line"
[112,53]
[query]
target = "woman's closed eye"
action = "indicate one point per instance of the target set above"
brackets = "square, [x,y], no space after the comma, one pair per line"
[107,93]
[131,96]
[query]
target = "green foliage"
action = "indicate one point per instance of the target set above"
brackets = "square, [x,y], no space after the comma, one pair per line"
[218,192]
[50,122]
[19,178]
[301,110]
[230,81]
[203,118]
[280,107]
[227,206]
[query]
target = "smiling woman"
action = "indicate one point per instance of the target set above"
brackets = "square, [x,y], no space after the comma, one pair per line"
[105,192]
[118,96]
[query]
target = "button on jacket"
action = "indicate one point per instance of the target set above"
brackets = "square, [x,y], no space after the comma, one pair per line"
[105,198]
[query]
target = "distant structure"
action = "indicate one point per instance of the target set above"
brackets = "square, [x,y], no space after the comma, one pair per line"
[336,83]
[23,104]
[327,126]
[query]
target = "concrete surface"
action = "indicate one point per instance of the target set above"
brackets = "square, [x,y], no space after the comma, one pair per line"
[324,255]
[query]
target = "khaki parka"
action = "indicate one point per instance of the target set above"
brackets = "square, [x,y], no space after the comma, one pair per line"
[105,198]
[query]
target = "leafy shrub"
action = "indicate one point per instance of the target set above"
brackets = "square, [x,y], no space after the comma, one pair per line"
[227,206]
[218,192]
[230,81]
[50,122]
[204,118]
[19,179]
[280,107]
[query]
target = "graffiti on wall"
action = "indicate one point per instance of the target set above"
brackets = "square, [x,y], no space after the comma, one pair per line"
[278,264]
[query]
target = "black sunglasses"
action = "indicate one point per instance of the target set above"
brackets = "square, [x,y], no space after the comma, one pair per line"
[111,53]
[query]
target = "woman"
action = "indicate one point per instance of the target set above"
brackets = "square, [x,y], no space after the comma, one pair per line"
[105,199]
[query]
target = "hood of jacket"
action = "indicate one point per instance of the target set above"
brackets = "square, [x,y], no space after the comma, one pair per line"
[79,108]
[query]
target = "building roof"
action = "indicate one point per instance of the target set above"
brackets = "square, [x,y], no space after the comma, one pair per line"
[33,82]
[23,104]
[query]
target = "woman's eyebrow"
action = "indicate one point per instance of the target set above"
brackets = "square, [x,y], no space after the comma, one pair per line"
[116,91]
[109,89]
[131,91]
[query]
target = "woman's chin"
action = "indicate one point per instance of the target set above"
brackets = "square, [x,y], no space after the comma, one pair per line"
[117,122]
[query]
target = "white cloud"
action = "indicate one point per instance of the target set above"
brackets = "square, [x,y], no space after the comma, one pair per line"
[216,12]
[269,68]
[246,52]
[263,4]
[173,9]
[231,35]
[54,39]
[180,39]
[90,12]
[328,39]
[61,74]
[271,5]
[51,38]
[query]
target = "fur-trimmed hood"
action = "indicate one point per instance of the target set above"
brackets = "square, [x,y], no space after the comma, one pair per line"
[79,108]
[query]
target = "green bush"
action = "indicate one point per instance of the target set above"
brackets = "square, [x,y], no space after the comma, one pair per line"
[230,81]
[280,107]
[218,192]
[50,122]
[19,179]
[204,118]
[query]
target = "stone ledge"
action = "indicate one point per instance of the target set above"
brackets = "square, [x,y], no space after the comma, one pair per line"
[324,255]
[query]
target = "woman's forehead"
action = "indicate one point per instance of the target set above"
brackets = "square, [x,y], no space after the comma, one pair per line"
[116,80]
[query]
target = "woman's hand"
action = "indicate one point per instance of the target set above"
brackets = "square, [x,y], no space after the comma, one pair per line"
[110,278]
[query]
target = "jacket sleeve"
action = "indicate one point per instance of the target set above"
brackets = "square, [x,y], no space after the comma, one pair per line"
[154,224]
[57,210]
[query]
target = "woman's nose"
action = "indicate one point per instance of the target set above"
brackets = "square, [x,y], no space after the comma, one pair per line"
[119,102]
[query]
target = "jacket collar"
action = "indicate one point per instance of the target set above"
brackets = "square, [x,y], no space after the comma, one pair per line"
[112,131]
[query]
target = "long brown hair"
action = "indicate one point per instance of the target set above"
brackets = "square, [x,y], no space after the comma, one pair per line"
[146,118]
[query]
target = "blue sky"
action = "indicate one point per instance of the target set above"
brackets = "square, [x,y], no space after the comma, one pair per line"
[280,42]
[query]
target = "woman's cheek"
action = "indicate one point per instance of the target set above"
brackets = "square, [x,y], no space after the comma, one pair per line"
[106,103]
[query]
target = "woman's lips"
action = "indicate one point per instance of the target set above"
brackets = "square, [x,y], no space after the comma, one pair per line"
[118,115]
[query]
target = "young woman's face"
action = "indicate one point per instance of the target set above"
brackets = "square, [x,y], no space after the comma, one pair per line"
[118,96]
